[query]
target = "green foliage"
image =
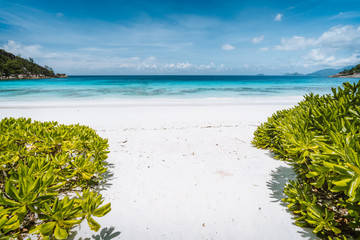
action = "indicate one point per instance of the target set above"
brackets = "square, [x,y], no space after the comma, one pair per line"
[351,71]
[8,223]
[15,65]
[40,164]
[320,138]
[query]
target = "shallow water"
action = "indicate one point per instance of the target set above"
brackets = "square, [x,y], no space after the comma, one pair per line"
[86,88]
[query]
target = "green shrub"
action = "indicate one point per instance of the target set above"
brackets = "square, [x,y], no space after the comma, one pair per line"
[320,138]
[41,163]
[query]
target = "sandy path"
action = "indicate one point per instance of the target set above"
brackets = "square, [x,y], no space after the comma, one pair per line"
[185,172]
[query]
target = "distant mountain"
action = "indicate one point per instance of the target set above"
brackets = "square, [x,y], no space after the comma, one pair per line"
[328,72]
[294,74]
[16,67]
[322,72]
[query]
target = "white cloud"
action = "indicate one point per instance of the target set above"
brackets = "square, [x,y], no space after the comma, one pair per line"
[33,51]
[85,62]
[344,37]
[151,58]
[341,37]
[207,66]
[192,67]
[278,17]
[251,68]
[327,58]
[337,47]
[264,49]
[183,65]
[318,58]
[145,65]
[136,65]
[295,43]
[317,55]
[78,60]
[346,15]
[258,39]
[227,47]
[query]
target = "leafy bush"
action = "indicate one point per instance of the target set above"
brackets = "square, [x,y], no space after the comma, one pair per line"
[320,138]
[41,165]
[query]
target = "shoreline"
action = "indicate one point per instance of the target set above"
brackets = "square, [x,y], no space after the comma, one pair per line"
[31,77]
[151,102]
[355,75]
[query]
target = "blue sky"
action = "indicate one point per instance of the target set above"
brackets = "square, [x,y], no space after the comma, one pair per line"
[183,37]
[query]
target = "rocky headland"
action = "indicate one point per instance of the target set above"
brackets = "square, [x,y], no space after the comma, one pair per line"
[339,75]
[16,67]
[348,73]
[33,76]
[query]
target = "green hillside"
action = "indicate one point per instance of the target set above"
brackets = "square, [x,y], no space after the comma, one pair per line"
[351,71]
[12,66]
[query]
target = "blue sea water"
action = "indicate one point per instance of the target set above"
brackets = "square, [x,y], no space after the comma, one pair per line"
[165,87]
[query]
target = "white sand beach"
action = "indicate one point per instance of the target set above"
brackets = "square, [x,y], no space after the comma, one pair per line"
[183,171]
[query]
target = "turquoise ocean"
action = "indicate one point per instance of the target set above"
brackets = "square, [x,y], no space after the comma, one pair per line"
[118,88]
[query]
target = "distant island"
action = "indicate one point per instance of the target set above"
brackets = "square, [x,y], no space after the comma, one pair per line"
[325,72]
[16,67]
[348,73]
[328,71]
[294,74]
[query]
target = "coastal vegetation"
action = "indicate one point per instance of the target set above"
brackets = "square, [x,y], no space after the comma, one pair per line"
[16,67]
[351,71]
[320,139]
[348,73]
[47,176]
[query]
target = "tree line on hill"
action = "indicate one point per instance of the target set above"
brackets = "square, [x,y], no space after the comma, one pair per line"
[15,67]
[354,70]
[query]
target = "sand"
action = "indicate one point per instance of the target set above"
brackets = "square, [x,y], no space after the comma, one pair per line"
[183,171]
